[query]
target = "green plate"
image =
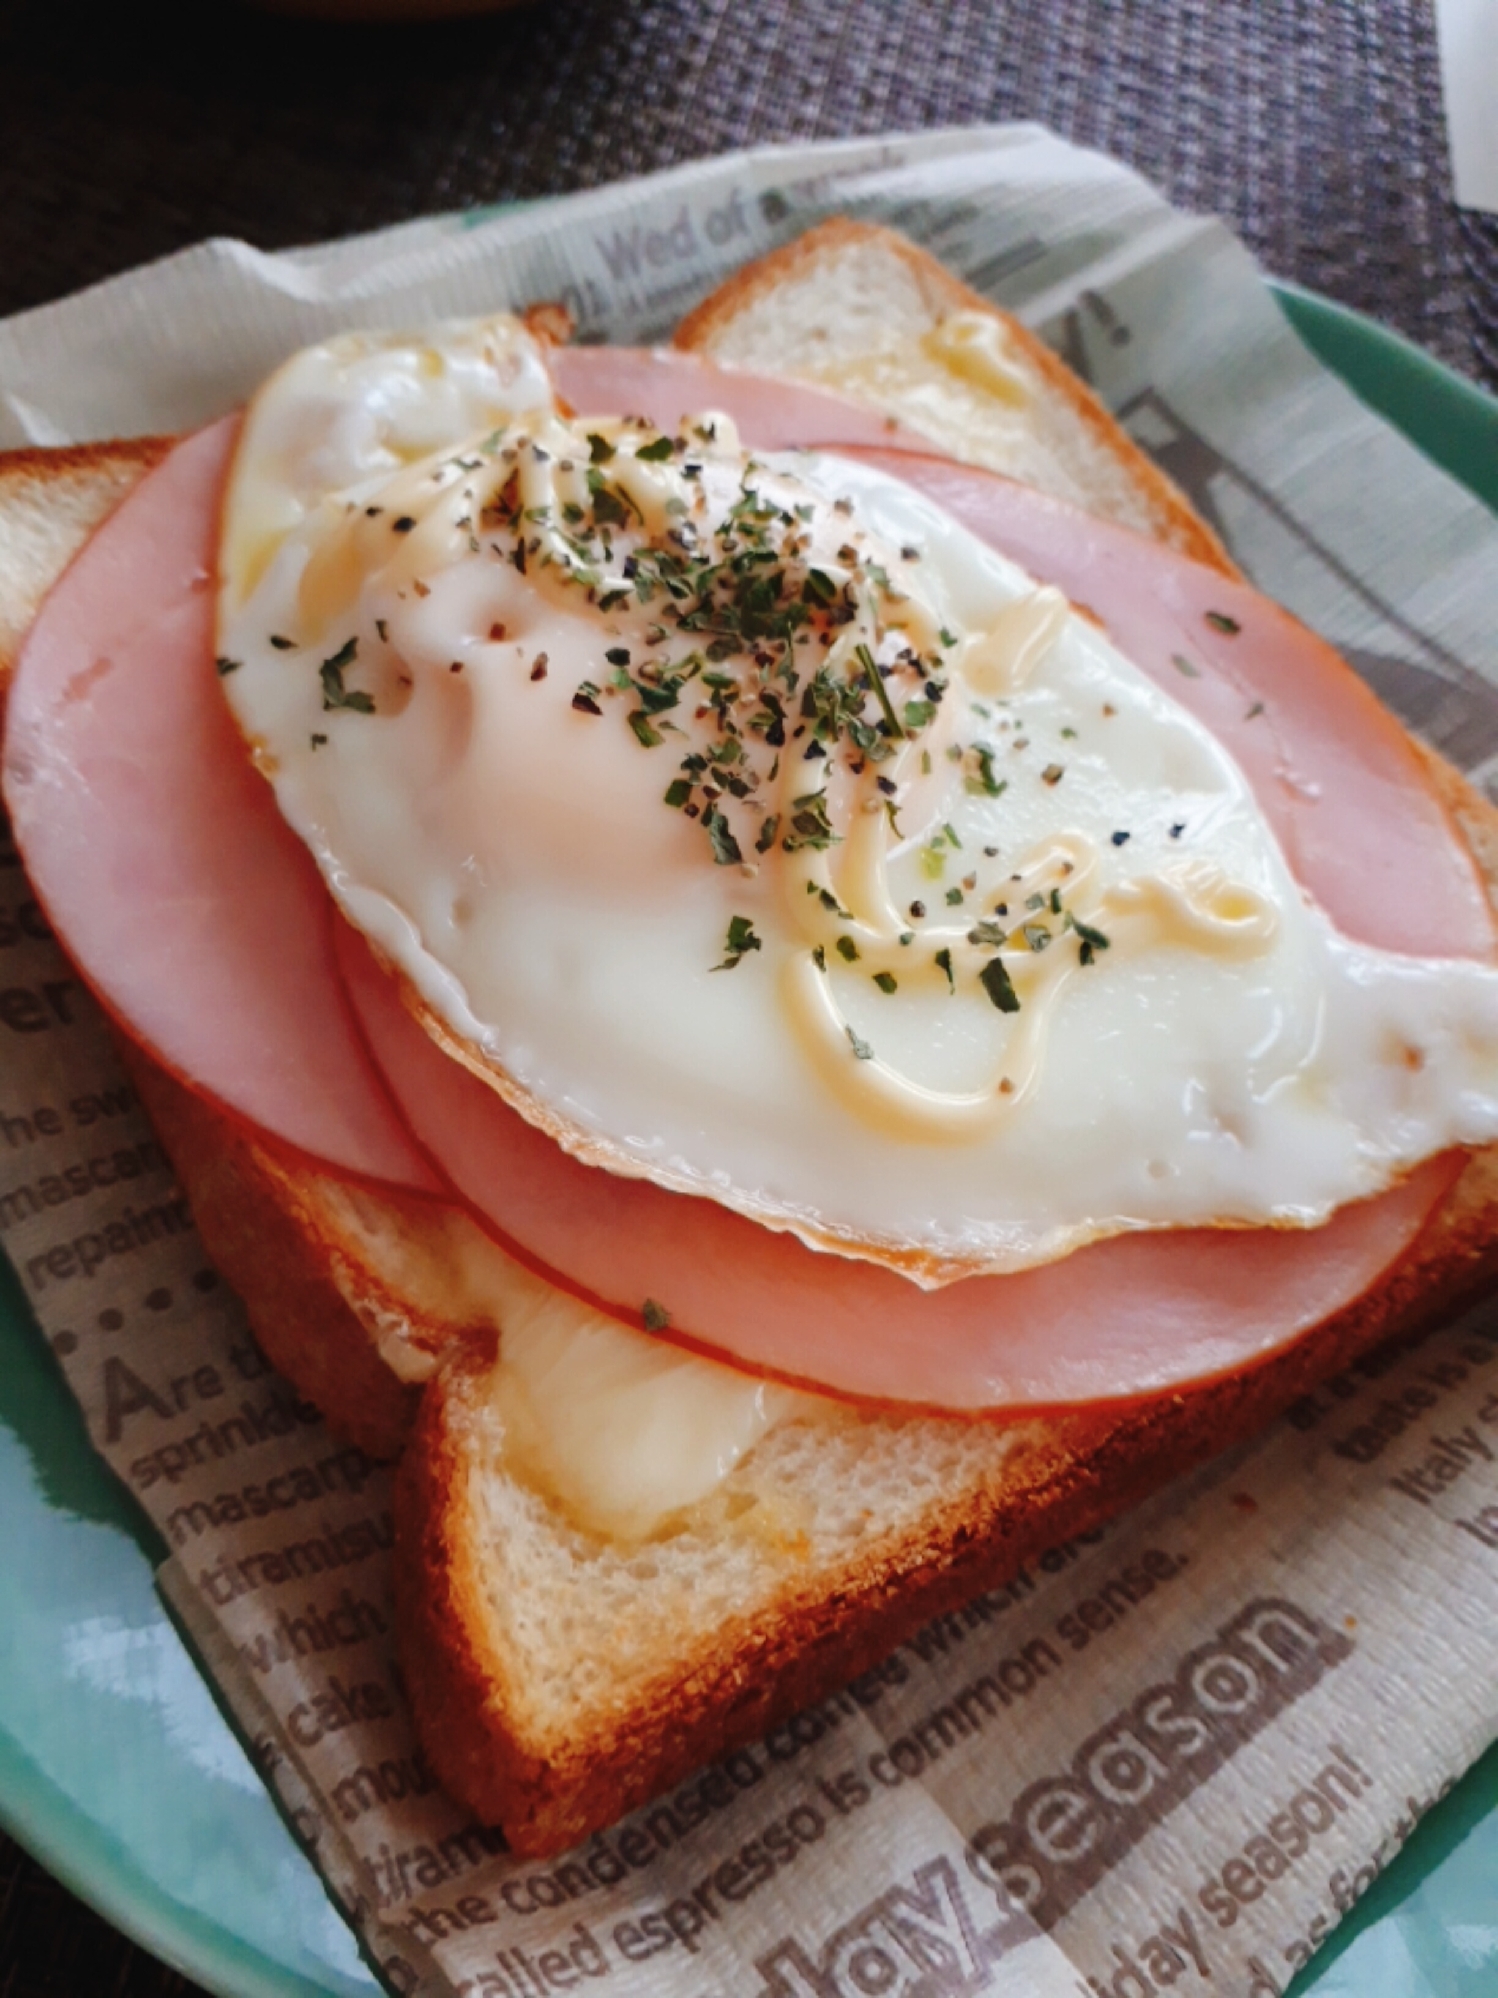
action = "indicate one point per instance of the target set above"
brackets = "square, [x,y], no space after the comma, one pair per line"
[118,1770]
[1452,422]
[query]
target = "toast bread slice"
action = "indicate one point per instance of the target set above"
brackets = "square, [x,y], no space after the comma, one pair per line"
[533,1648]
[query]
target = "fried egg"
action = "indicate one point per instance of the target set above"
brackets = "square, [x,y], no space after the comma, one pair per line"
[753,827]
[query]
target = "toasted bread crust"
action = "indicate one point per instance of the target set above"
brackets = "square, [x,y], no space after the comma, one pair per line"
[258,1213]
[45,464]
[1176,522]
[51,501]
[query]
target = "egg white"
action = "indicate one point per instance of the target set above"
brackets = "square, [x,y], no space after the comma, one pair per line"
[512,855]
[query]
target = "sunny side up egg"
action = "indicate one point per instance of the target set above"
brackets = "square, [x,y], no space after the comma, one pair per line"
[757,829]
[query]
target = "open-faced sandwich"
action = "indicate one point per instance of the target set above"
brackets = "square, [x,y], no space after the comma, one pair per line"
[769,944]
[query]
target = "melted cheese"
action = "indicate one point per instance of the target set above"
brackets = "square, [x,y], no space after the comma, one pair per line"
[626,1432]
[957,383]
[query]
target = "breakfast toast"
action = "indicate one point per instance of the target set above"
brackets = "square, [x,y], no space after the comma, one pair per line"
[547,1695]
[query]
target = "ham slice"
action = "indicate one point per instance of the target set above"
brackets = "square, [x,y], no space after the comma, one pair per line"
[185,901]
[663,386]
[201,923]
[182,896]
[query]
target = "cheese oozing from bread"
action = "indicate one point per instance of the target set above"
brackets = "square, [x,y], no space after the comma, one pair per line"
[624,1433]
[755,828]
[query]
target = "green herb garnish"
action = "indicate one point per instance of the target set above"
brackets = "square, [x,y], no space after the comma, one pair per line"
[983,783]
[726,851]
[881,692]
[988,934]
[331,672]
[810,825]
[738,943]
[996,982]
[1090,940]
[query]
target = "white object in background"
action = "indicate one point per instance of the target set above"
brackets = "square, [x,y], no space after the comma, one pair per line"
[1468,32]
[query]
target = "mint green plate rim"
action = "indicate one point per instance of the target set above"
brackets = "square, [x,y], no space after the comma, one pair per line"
[261,1951]
[1451,420]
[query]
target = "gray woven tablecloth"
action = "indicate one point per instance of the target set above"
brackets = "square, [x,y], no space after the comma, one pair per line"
[1314,126]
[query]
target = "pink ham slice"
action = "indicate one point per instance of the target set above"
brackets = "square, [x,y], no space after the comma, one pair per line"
[1125,1317]
[200,921]
[182,896]
[663,387]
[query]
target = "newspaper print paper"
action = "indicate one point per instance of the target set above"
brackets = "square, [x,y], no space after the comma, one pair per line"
[1169,1754]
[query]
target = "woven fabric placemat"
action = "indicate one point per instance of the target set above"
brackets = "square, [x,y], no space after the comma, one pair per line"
[1314,126]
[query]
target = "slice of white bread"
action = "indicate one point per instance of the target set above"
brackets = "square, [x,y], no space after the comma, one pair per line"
[50,502]
[558,1677]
